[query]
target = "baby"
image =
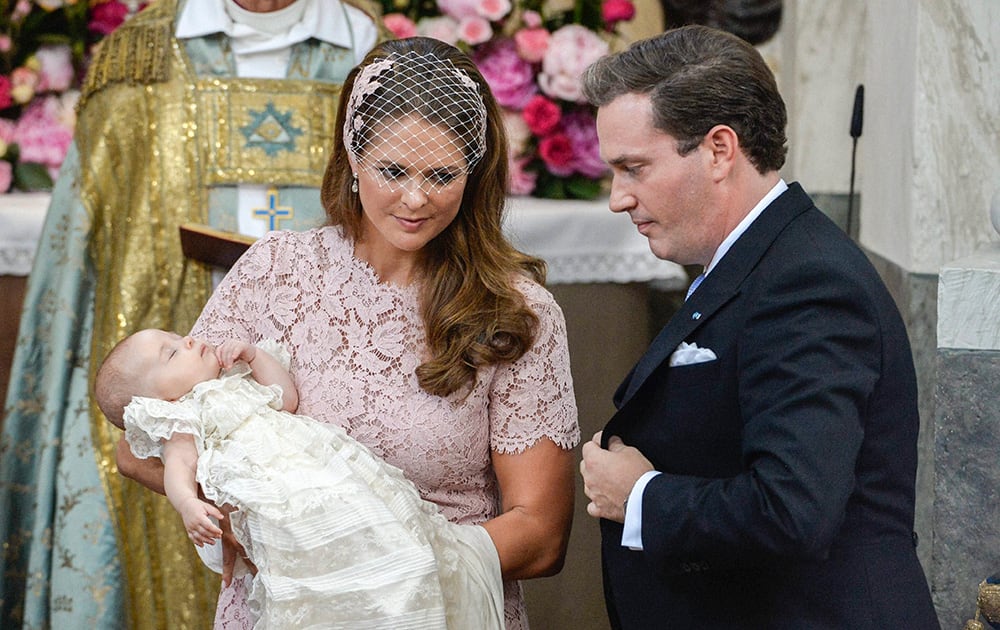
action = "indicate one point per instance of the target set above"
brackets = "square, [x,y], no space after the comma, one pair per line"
[339,537]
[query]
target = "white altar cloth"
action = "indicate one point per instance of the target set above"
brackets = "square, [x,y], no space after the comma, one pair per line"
[21,219]
[584,242]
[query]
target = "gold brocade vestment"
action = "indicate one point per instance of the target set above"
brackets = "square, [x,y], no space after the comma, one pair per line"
[153,140]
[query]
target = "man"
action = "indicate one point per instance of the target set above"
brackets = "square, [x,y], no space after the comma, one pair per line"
[207,111]
[759,471]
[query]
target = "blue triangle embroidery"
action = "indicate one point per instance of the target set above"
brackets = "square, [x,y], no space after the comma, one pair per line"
[271,130]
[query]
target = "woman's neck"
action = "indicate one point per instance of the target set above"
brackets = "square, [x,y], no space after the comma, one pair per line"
[392,266]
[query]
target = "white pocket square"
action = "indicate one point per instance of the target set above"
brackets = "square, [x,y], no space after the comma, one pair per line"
[689,353]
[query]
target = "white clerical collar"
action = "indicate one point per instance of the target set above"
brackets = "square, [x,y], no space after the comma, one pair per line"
[320,19]
[738,231]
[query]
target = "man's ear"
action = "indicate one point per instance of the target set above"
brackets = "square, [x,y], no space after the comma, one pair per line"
[724,148]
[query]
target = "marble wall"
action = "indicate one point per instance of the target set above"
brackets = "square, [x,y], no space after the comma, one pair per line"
[932,68]
[928,160]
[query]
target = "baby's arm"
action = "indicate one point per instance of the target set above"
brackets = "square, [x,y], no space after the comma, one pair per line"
[264,368]
[180,461]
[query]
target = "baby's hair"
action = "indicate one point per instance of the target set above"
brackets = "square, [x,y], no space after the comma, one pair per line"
[115,383]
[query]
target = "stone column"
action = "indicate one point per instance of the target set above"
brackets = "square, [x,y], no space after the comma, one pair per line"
[967,431]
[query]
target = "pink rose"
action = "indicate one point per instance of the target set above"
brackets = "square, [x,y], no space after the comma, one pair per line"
[571,49]
[511,78]
[474,30]
[55,72]
[399,25]
[6,175]
[493,10]
[107,16]
[6,131]
[531,19]
[557,153]
[541,115]
[5,43]
[518,133]
[532,43]
[614,11]
[522,181]
[580,128]
[23,82]
[458,9]
[6,100]
[41,134]
[443,28]
[21,10]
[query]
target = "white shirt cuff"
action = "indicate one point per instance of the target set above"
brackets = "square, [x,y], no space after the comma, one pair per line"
[632,534]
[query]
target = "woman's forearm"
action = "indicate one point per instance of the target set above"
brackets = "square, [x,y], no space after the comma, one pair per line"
[147,472]
[532,533]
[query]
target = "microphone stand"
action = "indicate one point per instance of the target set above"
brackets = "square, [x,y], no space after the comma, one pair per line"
[857,120]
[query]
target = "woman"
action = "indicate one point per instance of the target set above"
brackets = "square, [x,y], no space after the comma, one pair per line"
[412,322]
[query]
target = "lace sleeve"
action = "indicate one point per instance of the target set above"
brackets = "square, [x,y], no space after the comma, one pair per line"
[533,397]
[150,421]
[237,306]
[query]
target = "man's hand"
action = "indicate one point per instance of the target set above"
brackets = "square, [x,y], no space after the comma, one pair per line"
[608,476]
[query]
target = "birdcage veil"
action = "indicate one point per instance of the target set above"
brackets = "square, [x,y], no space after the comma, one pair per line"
[395,97]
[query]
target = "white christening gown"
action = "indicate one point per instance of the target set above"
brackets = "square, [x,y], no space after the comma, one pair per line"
[340,538]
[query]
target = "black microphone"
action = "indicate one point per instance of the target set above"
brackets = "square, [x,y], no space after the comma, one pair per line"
[859,112]
[857,120]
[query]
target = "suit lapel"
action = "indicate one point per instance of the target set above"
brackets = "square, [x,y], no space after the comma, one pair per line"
[718,288]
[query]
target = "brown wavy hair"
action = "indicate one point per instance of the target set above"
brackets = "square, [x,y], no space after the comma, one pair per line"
[472,311]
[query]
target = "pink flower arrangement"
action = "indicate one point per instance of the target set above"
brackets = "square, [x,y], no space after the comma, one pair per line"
[44,49]
[532,53]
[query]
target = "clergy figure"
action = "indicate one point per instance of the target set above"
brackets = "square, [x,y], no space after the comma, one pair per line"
[207,111]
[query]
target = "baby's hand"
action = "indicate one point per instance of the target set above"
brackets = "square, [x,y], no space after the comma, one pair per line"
[232,350]
[199,526]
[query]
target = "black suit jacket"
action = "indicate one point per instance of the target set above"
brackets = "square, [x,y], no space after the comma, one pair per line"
[787,493]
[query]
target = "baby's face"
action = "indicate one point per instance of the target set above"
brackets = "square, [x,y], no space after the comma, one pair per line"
[172,365]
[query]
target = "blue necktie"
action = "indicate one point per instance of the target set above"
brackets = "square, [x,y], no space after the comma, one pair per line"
[694,285]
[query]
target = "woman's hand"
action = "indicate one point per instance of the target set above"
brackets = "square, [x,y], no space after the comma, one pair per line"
[232,549]
[532,533]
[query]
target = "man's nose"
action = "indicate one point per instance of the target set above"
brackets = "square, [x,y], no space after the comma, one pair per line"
[620,199]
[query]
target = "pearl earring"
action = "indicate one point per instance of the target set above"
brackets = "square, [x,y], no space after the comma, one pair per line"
[354,184]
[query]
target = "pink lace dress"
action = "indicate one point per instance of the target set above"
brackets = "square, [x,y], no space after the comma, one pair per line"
[355,343]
